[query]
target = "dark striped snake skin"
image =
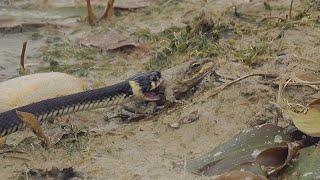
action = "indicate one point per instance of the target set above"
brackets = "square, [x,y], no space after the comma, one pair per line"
[137,87]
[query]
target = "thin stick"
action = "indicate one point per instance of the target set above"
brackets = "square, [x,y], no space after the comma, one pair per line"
[109,11]
[287,82]
[222,87]
[24,46]
[304,83]
[12,151]
[290,11]
[91,16]
[17,158]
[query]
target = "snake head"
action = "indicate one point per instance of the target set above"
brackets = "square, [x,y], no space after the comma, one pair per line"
[143,85]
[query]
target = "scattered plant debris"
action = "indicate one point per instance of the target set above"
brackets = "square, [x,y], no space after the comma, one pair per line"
[109,41]
[54,172]
[193,116]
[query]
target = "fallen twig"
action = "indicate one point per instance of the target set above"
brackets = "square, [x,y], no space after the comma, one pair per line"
[224,86]
[308,84]
[16,157]
[213,92]
[12,151]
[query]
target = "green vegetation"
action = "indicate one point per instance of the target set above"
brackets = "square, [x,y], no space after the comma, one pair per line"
[60,50]
[197,40]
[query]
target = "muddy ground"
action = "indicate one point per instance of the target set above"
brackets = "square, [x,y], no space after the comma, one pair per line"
[239,39]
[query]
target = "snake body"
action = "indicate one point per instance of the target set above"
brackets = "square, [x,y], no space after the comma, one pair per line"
[50,108]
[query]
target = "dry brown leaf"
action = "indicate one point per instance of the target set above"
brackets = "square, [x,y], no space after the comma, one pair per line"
[239,175]
[315,104]
[276,158]
[108,41]
[308,77]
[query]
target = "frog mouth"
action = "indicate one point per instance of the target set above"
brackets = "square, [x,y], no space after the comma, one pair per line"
[151,96]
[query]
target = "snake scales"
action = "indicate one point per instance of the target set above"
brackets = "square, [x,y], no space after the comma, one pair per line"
[140,86]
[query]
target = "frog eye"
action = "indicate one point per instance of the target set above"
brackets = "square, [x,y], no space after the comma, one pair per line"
[194,65]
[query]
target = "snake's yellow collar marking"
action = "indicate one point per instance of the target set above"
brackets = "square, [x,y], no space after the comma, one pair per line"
[156,84]
[136,89]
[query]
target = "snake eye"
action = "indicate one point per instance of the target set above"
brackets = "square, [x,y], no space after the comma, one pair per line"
[155,76]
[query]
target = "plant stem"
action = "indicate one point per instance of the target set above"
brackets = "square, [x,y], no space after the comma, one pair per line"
[290,11]
[24,46]
[91,16]
[109,11]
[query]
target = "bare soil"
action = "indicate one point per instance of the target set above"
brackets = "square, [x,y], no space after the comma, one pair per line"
[149,149]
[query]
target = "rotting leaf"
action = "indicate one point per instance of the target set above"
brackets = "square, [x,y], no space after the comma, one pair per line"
[307,164]
[236,175]
[308,122]
[240,150]
[108,41]
[276,158]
